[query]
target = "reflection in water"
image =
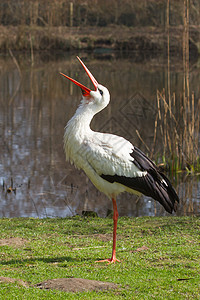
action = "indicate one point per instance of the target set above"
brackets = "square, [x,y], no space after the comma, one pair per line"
[35,106]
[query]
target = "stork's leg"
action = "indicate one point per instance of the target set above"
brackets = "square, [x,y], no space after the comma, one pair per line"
[115,218]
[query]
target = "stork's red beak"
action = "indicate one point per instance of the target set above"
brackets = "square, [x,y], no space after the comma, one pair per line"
[86,91]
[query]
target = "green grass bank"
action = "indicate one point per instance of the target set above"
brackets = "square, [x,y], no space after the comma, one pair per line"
[160,257]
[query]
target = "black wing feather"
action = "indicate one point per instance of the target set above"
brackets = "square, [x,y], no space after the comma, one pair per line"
[154,184]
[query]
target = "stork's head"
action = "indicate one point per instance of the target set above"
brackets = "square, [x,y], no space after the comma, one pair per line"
[99,98]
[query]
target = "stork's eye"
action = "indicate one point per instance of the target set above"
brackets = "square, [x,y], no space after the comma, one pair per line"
[101,92]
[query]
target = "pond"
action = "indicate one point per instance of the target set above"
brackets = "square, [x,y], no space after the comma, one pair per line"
[36,103]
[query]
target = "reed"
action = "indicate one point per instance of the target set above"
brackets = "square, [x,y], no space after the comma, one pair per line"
[178,120]
[179,130]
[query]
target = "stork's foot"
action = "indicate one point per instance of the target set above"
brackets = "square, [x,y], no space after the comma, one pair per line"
[109,260]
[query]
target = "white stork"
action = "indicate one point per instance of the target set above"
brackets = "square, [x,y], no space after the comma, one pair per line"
[111,162]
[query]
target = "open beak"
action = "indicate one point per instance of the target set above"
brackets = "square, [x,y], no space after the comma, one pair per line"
[86,91]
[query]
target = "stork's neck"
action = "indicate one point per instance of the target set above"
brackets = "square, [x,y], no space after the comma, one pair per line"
[82,118]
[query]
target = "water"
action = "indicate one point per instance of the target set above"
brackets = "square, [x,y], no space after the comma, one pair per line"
[36,103]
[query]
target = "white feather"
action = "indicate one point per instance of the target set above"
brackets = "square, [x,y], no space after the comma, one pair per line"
[98,153]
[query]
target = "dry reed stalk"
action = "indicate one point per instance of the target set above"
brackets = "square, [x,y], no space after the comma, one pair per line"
[20,76]
[154,136]
[169,141]
[32,53]
[197,127]
[193,127]
[187,51]
[158,104]
[168,56]
[166,105]
[142,140]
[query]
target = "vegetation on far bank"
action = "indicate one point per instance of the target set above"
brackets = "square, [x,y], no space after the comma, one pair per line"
[120,25]
[100,13]
[113,38]
[159,257]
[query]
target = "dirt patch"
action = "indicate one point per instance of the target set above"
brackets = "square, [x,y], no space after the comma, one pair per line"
[73,285]
[104,237]
[143,248]
[13,241]
[76,285]
[107,237]
[14,280]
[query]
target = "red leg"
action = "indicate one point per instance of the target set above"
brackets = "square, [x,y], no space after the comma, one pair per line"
[115,218]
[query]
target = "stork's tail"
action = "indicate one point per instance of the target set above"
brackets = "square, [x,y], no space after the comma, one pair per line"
[155,184]
[161,189]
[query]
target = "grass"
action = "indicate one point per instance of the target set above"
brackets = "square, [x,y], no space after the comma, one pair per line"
[159,256]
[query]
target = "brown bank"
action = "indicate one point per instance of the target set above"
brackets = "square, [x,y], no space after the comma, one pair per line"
[111,38]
